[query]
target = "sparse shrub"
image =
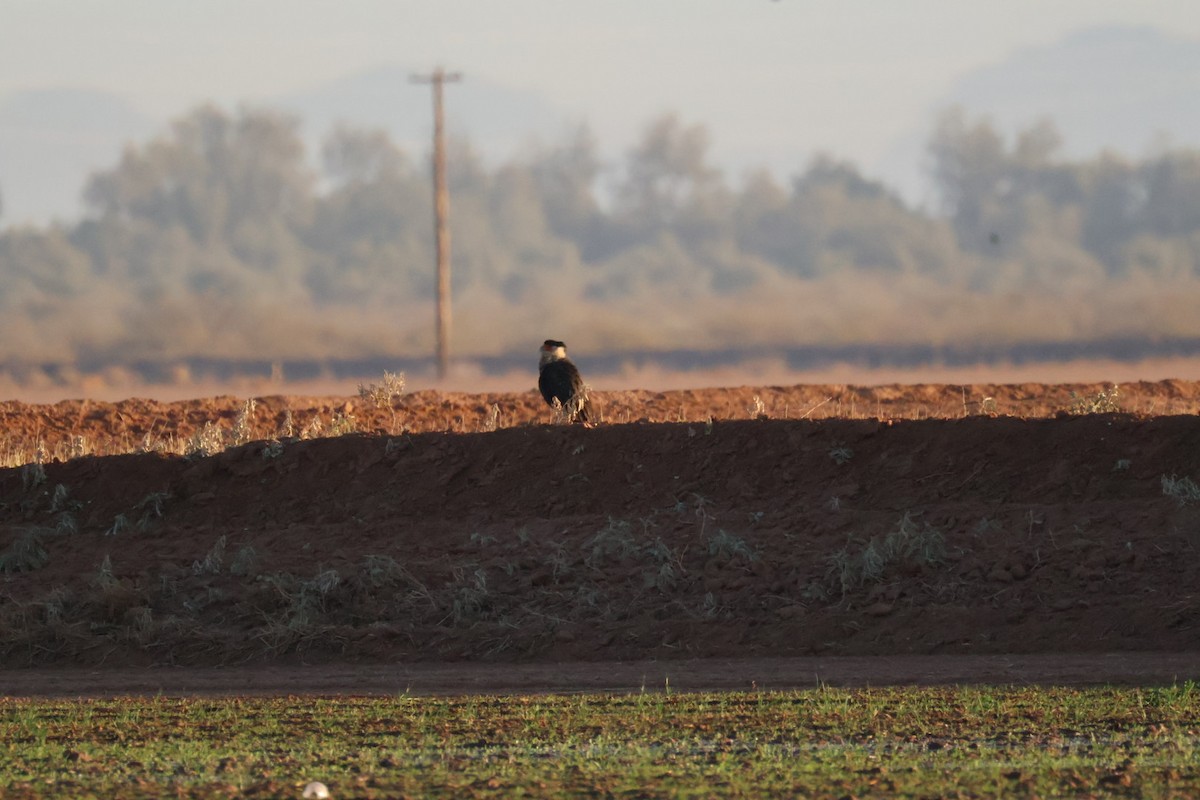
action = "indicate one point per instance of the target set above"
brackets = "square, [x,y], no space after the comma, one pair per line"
[205,441]
[566,414]
[243,425]
[384,395]
[1100,403]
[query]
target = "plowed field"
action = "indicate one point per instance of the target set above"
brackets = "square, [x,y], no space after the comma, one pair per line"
[750,523]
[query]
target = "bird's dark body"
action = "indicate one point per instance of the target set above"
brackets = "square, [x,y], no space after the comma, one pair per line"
[559,379]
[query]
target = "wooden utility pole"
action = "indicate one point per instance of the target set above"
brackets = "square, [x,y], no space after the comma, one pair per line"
[441,214]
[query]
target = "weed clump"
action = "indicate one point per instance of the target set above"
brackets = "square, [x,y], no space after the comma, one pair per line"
[907,544]
[1183,489]
[25,554]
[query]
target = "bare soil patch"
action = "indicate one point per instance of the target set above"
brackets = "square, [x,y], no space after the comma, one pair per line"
[890,522]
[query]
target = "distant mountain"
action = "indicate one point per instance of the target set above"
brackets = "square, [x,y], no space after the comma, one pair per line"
[498,120]
[1122,89]
[51,140]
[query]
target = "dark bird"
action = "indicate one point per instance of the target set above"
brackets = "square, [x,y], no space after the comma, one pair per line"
[559,379]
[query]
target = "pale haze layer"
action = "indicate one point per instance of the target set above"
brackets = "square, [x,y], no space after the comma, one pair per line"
[773,82]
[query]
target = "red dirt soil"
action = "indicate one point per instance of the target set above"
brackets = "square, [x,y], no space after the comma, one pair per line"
[980,524]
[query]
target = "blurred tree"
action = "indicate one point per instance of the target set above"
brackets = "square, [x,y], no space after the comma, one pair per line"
[669,185]
[1113,205]
[968,165]
[353,156]
[228,180]
[565,178]
[39,269]
[997,196]
[218,236]
[371,234]
[1172,194]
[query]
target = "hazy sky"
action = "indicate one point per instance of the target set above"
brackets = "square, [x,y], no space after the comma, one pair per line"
[842,75]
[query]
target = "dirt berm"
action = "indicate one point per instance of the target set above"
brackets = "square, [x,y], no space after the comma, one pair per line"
[538,543]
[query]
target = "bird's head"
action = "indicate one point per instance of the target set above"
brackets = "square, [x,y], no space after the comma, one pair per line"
[552,350]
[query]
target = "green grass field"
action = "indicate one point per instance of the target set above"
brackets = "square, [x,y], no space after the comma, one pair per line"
[1015,742]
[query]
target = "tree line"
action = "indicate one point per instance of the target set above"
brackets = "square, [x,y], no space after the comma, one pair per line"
[221,237]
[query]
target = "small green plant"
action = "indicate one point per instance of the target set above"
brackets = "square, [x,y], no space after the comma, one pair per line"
[613,541]
[1100,403]
[60,500]
[841,454]
[120,525]
[33,475]
[66,523]
[470,597]
[151,507]
[986,527]
[342,424]
[666,568]
[1183,489]
[245,562]
[907,543]
[212,561]
[377,571]
[723,543]
[25,554]
[104,577]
